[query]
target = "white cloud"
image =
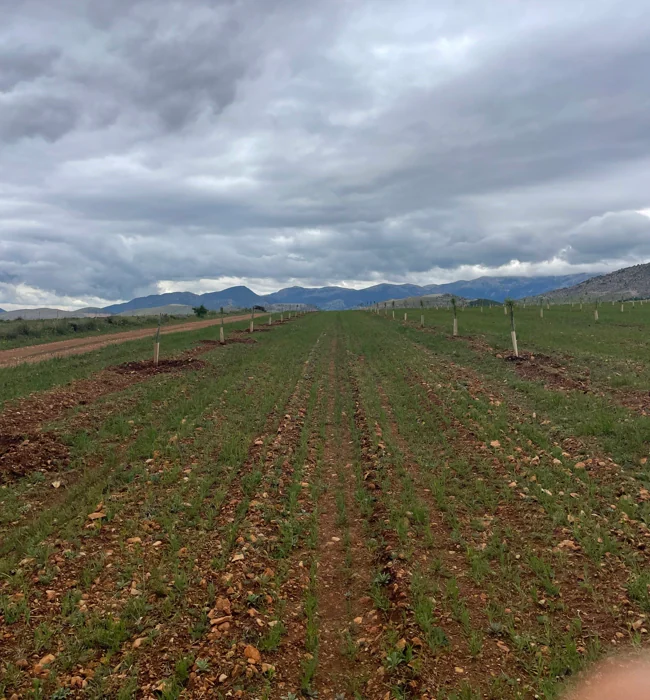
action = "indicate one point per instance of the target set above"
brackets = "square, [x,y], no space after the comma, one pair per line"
[156,146]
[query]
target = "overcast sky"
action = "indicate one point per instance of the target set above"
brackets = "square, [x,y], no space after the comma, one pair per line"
[158,146]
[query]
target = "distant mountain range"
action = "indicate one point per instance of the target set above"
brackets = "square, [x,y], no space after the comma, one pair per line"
[626,283]
[46,313]
[169,310]
[327,298]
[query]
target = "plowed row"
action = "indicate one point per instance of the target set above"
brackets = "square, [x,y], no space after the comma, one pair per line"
[349,507]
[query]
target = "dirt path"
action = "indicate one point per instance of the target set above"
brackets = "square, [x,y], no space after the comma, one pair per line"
[77,346]
[344,563]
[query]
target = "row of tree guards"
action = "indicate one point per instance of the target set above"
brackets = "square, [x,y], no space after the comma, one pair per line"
[508,310]
[376,306]
[222,334]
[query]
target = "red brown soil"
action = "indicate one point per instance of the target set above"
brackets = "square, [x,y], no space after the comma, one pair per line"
[527,521]
[19,456]
[234,337]
[557,375]
[147,367]
[25,448]
[549,370]
[248,570]
[77,346]
[342,595]
[388,559]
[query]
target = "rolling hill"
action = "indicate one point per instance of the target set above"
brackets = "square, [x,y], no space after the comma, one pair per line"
[627,283]
[50,314]
[170,309]
[502,288]
[330,298]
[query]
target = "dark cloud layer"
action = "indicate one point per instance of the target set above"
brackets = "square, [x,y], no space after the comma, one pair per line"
[146,145]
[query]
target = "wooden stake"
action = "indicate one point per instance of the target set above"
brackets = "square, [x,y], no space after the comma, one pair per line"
[422,321]
[156,343]
[270,320]
[595,314]
[405,316]
[541,312]
[511,307]
[455,326]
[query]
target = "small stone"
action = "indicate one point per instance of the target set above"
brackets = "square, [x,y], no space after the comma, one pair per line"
[47,660]
[252,654]
[223,605]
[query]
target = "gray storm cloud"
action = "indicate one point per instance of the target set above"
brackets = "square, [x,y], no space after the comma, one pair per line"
[317,142]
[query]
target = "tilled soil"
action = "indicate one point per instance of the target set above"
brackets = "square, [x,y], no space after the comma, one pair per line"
[24,448]
[77,346]
[367,535]
[345,566]
[557,374]
[147,367]
[38,452]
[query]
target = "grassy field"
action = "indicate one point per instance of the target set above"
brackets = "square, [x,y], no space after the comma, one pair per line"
[18,333]
[344,505]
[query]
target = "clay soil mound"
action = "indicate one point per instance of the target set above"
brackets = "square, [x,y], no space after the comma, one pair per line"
[232,338]
[147,367]
[245,339]
[20,454]
[551,371]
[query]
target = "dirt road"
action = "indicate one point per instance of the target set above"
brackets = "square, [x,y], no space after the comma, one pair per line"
[76,346]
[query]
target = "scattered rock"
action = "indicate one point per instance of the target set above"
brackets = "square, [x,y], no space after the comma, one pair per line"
[96,516]
[252,654]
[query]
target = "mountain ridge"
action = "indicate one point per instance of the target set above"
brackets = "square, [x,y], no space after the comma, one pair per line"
[327,298]
[627,283]
[330,298]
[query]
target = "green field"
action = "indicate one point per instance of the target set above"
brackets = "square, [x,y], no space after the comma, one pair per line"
[349,507]
[19,333]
